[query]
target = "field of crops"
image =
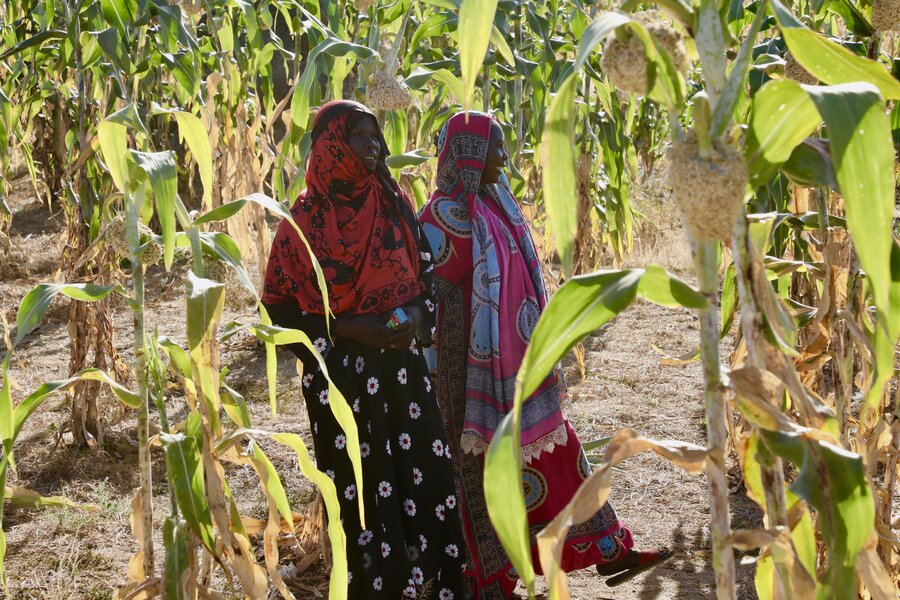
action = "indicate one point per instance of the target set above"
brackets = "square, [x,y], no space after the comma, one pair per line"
[712,187]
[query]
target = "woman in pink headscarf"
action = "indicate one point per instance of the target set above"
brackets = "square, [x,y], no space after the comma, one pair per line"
[491,290]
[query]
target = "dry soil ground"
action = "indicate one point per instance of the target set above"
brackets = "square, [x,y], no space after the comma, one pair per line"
[75,554]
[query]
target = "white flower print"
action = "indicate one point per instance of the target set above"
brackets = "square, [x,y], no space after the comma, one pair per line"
[415,411]
[423,542]
[360,364]
[427,383]
[385,550]
[417,476]
[346,360]
[340,442]
[447,450]
[350,492]
[315,428]
[413,348]
[349,576]
[330,473]
[445,594]
[372,385]
[430,305]
[405,441]
[307,380]
[377,582]
[409,591]
[438,447]
[450,502]
[365,537]
[385,408]
[385,489]
[401,375]
[320,344]
[452,550]
[440,511]
[418,576]
[388,447]
[410,507]
[365,449]
[323,397]
[356,405]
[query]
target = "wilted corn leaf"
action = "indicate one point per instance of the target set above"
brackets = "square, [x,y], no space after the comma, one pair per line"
[25,498]
[593,493]
[114,148]
[192,131]
[874,574]
[205,299]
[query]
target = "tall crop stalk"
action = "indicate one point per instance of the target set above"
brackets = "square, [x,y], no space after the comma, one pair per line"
[706,263]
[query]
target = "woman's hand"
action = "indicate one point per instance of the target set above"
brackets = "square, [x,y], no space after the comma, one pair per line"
[372,331]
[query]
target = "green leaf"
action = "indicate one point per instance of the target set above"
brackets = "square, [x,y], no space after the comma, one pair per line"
[833,481]
[221,213]
[205,301]
[338,576]
[192,131]
[111,43]
[125,395]
[35,40]
[119,14]
[596,32]
[783,116]
[235,407]
[36,302]
[160,169]
[113,146]
[186,474]
[336,400]
[226,249]
[660,287]
[420,76]
[177,542]
[828,61]
[502,46]
[861,145]
[271,484]
[810,165]
[558,160]
[476,17]
[409,159]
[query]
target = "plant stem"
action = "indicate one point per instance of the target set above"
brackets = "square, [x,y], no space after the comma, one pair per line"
[705,259]
[745,265]
[133,215]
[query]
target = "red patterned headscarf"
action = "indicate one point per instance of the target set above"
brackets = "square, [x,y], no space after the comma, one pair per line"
[360,226]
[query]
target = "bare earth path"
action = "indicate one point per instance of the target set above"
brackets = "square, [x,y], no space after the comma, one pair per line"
[74,554]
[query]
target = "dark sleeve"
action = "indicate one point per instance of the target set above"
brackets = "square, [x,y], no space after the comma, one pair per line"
[289,316]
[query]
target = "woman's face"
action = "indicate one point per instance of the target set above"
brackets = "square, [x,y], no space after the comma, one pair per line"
[365,142]
[496,158]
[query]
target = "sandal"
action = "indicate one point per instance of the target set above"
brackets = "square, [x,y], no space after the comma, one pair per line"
[640,561]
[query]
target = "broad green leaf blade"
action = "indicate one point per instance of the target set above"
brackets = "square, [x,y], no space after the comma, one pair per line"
[221,213]
[828,61]
[30,404]
[476,17]
[36,302]
[186,473]
[833,481]
[596,32]
[661,287]
[192,131]
[783,116]
[558,161]
[160,169]
[235,407]
[409,159]
[114,148]
[205,301]
[504,495]
[35,40]
[125,395]
[420,76]
[176,541]
[271,483]
[579,307]
[502,46]
[337,589]
[222,245]
[860,138]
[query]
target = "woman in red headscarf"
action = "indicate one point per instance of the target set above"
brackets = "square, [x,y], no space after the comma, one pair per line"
[362,230]
[491,290]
